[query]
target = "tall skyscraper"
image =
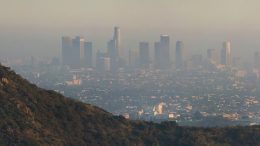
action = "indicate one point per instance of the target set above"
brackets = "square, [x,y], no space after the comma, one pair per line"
[179,55]
[77,53]
[226,54]
[165,49]
[115,51]
[157,54]
[162,52]
[144,56]
[66,50]
[117,41]
[88,53]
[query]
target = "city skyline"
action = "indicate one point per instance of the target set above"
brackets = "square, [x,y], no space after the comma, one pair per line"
[34,28]
[78,53]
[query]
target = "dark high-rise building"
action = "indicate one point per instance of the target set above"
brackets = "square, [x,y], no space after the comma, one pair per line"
[157,54]
[226,54]
[162,52]
[179,55]
[144,56]
[88,53]
[165,51]
[77,55]
[66,50]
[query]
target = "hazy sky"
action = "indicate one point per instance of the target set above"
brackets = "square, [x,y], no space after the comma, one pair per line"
[36,26]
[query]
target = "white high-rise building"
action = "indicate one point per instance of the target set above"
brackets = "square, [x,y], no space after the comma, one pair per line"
[226,54]
[117,40]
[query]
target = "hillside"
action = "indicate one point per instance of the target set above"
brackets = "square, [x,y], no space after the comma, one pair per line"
[33,116]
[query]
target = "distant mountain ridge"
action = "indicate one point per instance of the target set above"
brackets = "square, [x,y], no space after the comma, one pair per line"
[33,116]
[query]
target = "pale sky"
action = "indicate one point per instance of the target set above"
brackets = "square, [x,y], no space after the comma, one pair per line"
[36,26]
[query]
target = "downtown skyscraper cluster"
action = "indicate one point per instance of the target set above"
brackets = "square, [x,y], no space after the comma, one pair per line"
[77,53]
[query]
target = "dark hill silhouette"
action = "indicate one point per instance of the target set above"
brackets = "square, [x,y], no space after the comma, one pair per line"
[33,116]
